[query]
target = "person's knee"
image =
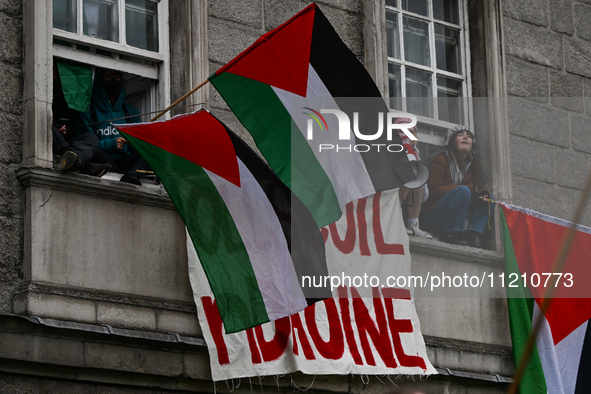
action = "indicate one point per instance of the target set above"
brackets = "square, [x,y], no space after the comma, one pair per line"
[463,192]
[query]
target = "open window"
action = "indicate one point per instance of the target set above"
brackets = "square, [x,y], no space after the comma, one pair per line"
[126,35]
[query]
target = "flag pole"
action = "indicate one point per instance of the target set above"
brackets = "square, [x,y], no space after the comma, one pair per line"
[171,106]
[547,297]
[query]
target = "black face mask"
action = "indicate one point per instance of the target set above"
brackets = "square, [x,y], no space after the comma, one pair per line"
[113,87]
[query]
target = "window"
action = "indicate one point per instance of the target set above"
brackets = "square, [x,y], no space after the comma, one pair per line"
[428,73]
[127,35]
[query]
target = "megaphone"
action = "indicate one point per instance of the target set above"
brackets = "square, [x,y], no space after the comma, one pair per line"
[421,171]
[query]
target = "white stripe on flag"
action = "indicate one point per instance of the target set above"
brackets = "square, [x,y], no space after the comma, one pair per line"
[568,354]
[547,352]
[341,167]
[265,243]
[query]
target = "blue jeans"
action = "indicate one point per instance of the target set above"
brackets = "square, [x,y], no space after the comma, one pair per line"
[449,214]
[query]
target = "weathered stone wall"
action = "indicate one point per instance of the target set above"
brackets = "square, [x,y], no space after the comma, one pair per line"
[234,26]
[547,45]
[11,133]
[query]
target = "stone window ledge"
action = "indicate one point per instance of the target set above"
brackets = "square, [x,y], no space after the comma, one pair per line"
[466,254]
[147,194]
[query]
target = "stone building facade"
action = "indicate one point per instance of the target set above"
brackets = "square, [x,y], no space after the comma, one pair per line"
[94,291]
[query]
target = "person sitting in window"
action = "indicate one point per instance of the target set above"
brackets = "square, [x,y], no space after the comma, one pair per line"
[413,199]
[106,105]
[75,148]
[454,202]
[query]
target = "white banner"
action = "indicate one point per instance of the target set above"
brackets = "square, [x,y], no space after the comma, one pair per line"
[367,328]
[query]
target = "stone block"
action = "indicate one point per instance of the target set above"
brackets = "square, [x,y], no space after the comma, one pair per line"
[11,39]
[11,6]
[247,12]
[178,323]
[533,43]
[126,316]
[587,95]
[532,11]
[121,390]
[525,79]
[566,91]
[531,159]
[11,89]
[55,307]
[538,122]
[349,27]
[139,360]
[355,6]
[561,16]
[582,21]
[226,40]
[11,191]
[197,366]
[11,236]
[10,281]
[18,385]
[11,135]
[129,248]
[37,349]
[543,197]
[279,11]
[56,386]
[577,56]
[581,133]
[571,168]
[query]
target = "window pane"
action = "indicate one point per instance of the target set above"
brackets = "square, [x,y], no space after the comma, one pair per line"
[416,41]
[446,10]
[449,93]
[447,47]
[392,3]
[64,15]
[394,86]
[101,19]
[141,24]
[393,37]
[418,92]
[417,6]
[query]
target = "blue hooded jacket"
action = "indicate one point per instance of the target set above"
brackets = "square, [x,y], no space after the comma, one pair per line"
[101,110]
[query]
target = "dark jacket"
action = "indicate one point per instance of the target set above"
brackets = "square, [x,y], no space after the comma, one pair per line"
[101,109]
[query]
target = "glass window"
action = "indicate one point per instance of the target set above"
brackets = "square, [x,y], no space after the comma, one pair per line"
[101,19]
[420,7]
[393,34]
[64,14]
[416,41]
[447,45]
[426,61]
[141,24]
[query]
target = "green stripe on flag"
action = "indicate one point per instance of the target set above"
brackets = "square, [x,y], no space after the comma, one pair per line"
[214,234]
[280,141]
[521,304]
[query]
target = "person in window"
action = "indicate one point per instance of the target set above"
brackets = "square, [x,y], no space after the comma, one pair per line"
[454,201]
[75,147]
[107,104]
[413,198]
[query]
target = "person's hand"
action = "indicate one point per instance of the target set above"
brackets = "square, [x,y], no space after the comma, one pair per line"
[121,142]
[484,195]
[62,130]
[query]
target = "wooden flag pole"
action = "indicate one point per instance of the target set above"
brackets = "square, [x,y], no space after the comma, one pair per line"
[558,266]
[171,106]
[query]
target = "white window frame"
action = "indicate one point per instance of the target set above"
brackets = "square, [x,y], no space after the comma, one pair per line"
[159,72]
[433,70]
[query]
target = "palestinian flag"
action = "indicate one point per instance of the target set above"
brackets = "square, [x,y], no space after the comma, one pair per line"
[238,214]
[561,361]
[272,88]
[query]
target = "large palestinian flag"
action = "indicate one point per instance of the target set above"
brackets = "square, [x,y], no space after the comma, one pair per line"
[239,217]
[561,361]
[272,88]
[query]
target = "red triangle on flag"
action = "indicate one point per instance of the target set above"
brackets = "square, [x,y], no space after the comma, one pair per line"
[197,137]
[281,57]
